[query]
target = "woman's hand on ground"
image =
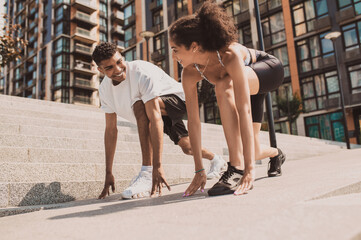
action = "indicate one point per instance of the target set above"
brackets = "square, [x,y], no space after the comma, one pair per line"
[246,182]
[199,181]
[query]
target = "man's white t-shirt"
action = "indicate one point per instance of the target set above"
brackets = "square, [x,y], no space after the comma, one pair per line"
[144,81]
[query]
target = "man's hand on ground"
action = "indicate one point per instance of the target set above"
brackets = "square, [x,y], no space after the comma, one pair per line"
[109,182]
[158,181]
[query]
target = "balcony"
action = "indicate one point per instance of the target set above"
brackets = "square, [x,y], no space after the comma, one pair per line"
[157,28]
[83,67]
[84,83]
[120,44]
[84,35]
[117,3]
[131,42]
[332,103]
[345,14]
[242,17]
[129,21]
[118,17]
[117,30]
[157,56]
[82,49]
[154,5]
[322,23]
[85,6]
[84,18]
[353,54]
[83,100]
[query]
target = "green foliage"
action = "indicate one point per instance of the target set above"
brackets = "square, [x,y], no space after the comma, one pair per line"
[291,108]
[11,45]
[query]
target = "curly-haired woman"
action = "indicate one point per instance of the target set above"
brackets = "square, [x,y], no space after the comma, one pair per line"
[205,44]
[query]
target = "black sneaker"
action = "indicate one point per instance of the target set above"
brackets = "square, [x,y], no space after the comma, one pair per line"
[275,163]
[228,183]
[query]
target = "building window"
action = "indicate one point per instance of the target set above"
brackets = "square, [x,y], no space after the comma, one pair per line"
[271,4]
[159,43]
[61,95]
[103,37]
[282,54]
[61,28]
[181,8]
[352,36]
[130,55]
[61,61]
[305,15]
[245,36]
[318,88]
[103,22]
[355,78]
[103,9]
[356,4]
[328,126]
[62,45]
[211,113]
[129,35]
[128,12]
[158,20]
[61,79]
[236,7]
[62,13]
[313,51]
[274,27]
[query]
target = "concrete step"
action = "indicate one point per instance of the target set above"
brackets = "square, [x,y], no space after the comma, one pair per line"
[35,103]
[47,155]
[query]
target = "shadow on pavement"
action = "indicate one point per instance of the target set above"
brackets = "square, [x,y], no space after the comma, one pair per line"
[137,203]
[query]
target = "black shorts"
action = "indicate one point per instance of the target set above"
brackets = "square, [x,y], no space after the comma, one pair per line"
[173,124]
[270,74]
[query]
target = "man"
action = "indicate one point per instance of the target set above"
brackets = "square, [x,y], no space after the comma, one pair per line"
[143,94]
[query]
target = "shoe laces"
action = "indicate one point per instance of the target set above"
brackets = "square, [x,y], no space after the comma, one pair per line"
[226,175]
[138,180]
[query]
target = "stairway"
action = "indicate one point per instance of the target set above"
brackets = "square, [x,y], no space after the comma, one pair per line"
[53,152]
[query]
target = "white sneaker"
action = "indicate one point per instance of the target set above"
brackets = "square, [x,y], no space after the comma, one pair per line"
[218,166]
[139,187]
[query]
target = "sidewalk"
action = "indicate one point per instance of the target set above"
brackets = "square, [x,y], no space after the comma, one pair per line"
[316,198]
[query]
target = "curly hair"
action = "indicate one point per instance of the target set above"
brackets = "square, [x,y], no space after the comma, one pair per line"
[210,27]
[104,51]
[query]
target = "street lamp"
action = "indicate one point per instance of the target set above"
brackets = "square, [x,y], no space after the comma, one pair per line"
[333,36]
[146,35]
[271,127]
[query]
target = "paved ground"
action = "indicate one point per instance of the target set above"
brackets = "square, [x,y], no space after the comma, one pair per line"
[316,198]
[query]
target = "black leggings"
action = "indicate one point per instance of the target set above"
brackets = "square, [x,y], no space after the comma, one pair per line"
[269,71]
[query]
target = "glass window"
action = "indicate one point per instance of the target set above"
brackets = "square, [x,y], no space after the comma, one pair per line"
[275,28]
[61,28]
[356,4]
[103,22]
[312,52]
[355,77]
[103,8]
[61,61]
[352,35]
[245,36]
[282,54]
[103,37]
[130,55]
[61,79]
[318,88]
[62,45]
[305,14]
[128,12]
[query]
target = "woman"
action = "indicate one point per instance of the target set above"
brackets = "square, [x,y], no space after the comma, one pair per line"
[206,46]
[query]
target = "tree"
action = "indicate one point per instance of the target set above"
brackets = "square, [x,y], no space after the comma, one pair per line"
[11,45]
[292,108]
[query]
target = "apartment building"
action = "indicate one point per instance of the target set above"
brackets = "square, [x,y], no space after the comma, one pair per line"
[293,30]
[56,64]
